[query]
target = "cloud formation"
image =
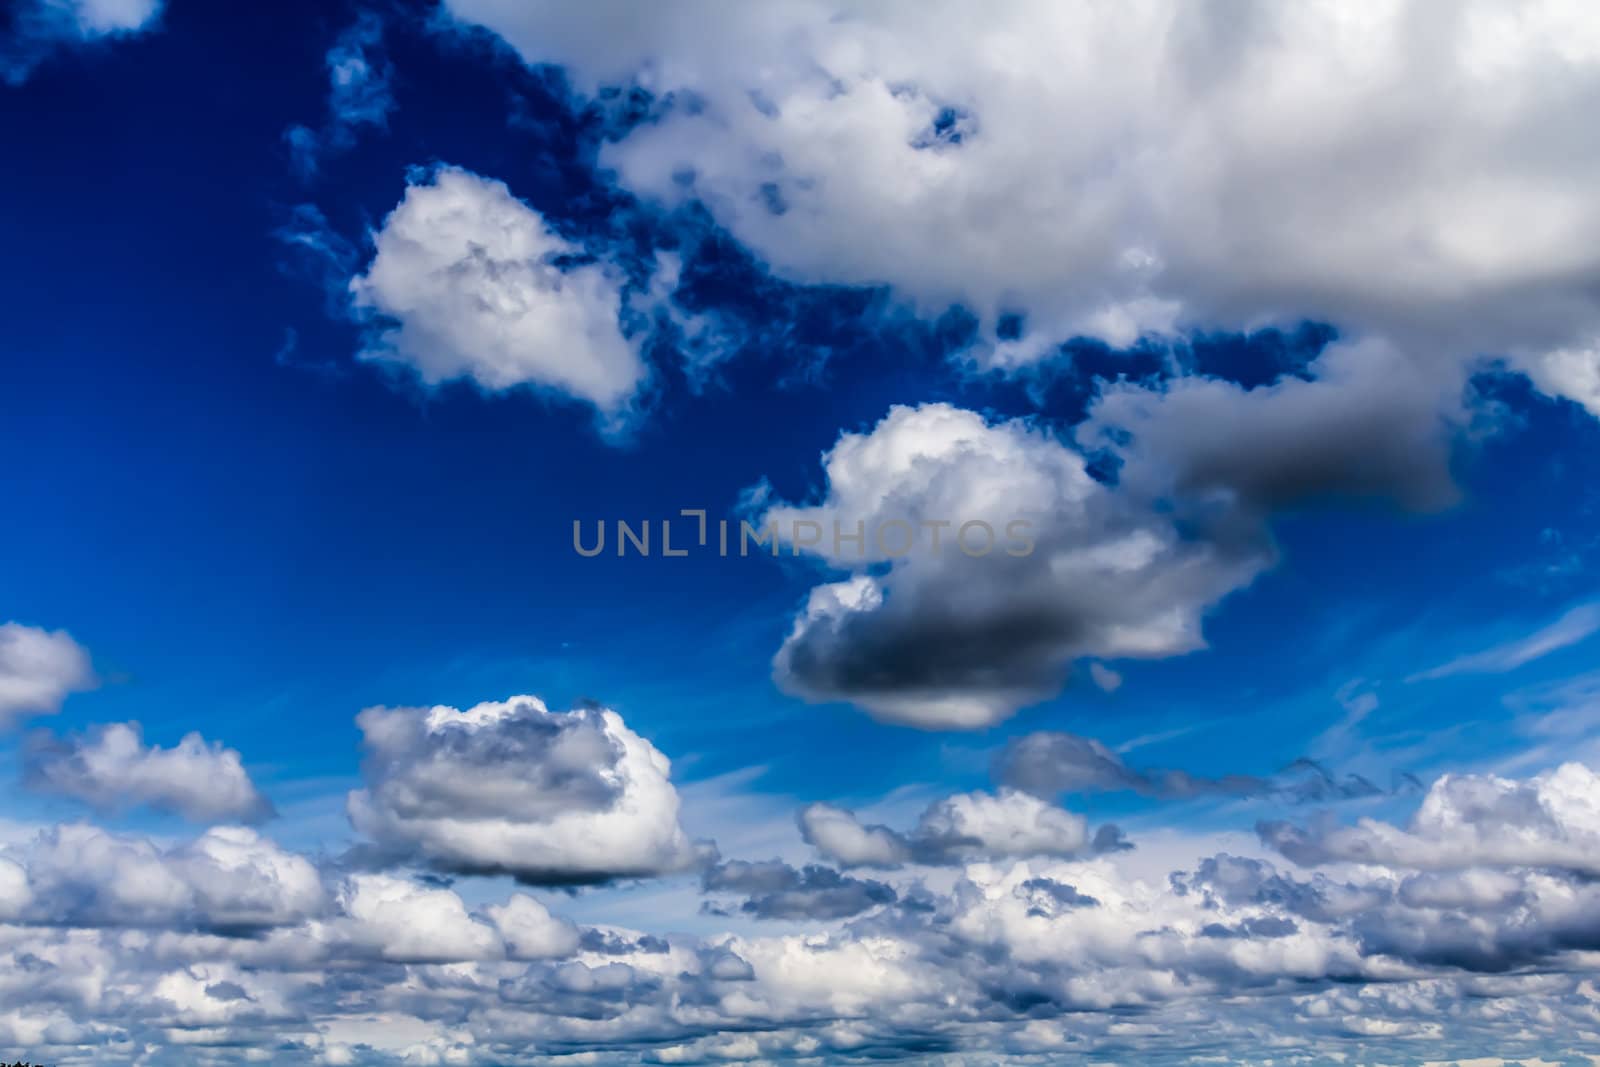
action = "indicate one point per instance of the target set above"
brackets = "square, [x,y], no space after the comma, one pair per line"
[1469,820]
[468,282]
[1404,171]
[945,638]
[775,890]
[38,668]
[1049,763]
[957,829]
[228,879]
[513,788]
[111,768]
[1030,943]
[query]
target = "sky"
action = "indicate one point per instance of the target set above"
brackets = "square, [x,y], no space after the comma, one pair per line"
[1229,372]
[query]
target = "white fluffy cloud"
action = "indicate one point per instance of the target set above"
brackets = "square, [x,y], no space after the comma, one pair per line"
[1469,820]
[465,283]
[1398,169]
[113,768]
[530,931]
[38,668]
[398,920]
[230,877]
[514,788]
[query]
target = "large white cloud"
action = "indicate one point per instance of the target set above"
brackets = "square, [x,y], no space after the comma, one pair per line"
[38,668]
[1401,168]
[465,283]
[514,788]
[113,768]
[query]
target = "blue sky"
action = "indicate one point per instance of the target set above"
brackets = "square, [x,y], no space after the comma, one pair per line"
[280,453]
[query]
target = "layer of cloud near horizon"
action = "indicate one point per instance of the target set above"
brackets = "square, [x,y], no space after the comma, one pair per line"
[994,907]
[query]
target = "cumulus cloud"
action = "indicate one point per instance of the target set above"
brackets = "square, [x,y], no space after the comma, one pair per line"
[398,920]
[38,668]
[112,768]
[1469,820]
[530,931]
[837,834]
[39,27]
[960,634]
[1401,170]
[229,944]
[962,828]
[988,557]
[513,788]
[468,282]
[229,878]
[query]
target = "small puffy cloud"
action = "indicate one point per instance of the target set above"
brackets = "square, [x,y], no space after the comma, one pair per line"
[1469,820]
[958,829]
[39,27]
[513,788]
[112,768]
[530,931]
[468,282]
[775,890]
[837,834]
[980,825]
[38,668]
[1108,680]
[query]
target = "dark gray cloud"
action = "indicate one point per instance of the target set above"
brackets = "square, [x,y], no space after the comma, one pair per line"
[1050,763]
[1046,897]
[1364,424]
[775,890]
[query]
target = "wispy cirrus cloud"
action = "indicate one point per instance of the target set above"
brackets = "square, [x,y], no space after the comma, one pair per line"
[1575,626]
